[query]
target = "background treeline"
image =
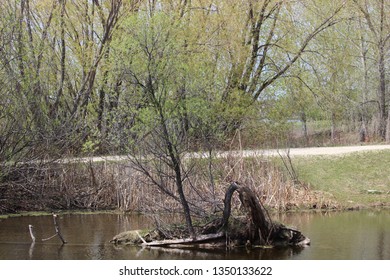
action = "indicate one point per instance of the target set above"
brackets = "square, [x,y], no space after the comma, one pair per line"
[134,76]
[157,80]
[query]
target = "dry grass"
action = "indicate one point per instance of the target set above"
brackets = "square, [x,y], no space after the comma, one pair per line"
[272,186]
[117,185]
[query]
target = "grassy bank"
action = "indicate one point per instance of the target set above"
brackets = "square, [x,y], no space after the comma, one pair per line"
[354,180]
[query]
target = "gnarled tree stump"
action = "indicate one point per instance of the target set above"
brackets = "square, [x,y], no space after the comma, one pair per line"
[260,229]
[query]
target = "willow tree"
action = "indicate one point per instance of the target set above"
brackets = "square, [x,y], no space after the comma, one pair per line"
[270,38]
[273,36]
[330,74]
[52,66]
[375,15]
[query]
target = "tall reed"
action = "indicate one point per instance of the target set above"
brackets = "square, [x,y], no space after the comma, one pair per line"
[121,186]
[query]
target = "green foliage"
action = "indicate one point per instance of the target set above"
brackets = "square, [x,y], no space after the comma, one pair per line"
[90,146]
[68,69]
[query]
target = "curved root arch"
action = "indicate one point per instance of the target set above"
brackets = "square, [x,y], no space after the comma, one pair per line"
[260,226]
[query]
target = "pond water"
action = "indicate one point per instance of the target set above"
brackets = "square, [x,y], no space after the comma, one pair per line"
[335,236]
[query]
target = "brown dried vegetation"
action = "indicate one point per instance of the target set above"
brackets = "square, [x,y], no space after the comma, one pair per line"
[119,186]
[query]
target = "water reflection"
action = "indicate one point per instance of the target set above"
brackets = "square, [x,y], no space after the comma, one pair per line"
[218,254]
[346,235]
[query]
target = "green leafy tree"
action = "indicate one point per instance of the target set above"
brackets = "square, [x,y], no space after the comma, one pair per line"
[374,14]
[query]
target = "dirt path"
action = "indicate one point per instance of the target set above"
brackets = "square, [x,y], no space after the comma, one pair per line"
[315,151]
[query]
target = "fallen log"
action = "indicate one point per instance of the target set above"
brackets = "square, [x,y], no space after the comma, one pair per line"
[134,237]
[188,241]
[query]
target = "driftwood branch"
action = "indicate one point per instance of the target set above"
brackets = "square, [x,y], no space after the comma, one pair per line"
[182,241]
[30,228]
[51,237]
[140,237]
[57,230]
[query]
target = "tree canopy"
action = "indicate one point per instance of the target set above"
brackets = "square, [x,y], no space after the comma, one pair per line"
[156,79]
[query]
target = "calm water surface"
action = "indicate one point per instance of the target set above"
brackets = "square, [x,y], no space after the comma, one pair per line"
[337,235]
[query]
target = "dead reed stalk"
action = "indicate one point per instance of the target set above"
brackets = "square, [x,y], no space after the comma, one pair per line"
[120,186]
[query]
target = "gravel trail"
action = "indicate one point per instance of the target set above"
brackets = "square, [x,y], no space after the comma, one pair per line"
[314,151]
[318,151]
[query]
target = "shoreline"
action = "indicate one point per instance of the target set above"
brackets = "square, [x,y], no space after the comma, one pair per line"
[113,186]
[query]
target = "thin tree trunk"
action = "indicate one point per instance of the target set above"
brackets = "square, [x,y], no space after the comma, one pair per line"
[54,110]
[304,127]
[380,40]
[333,128]
[363,133]
[176,165]
[382,93]
[388,128]
[382,74]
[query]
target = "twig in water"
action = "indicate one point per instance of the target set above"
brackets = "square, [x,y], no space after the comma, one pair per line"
[57,229]
[30,228]
[46,239]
